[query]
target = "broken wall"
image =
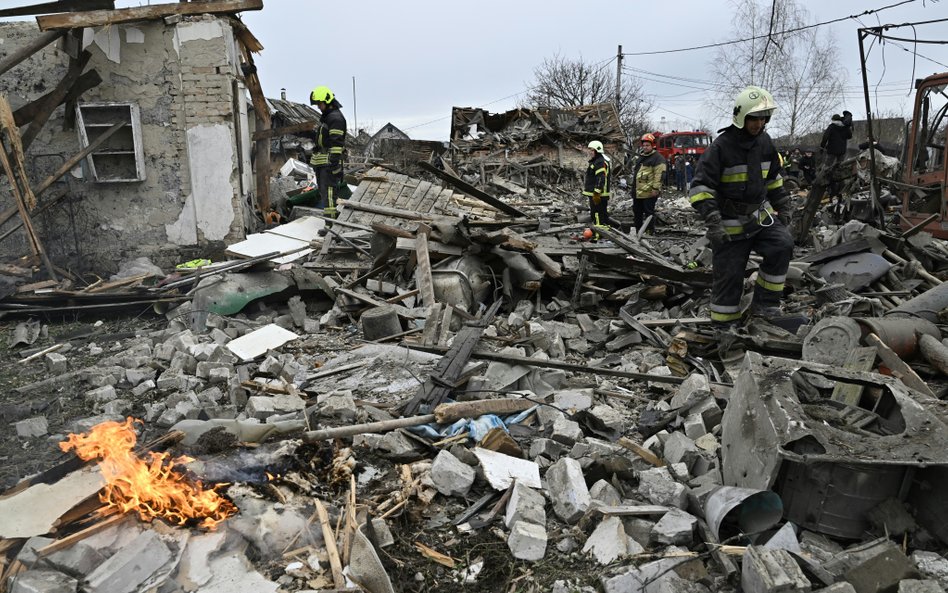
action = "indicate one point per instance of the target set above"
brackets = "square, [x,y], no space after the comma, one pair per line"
[183,77]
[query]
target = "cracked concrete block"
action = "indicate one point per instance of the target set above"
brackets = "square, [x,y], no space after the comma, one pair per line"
[608,542]
[136,376]
[171,381]
[694,427]
[77,560]
[567,489]
[211,396]
[573,399]
[842,587]
[143,387]
[605,493]
[547,448]
[525,504]
[338,405]
[610,417]
[595,448]
[27,554]
[184,362]
[169,417]
[271,366]
[527,541]
[205,352]
[183,341]
[676,527]
[658,486]
[450,475]
[31,427]
[154,411]
[264,406]
[43,581]
[680,449]
[710,412]
[566,431]
[297,310]
[694,388]
[547,415]
[219,375]
[131,566]
[100,395]
[679,471]
[918,586]
[638,529]
[219,336]
[882,572]
[932,566]
[101,378]
[117,407]
[708,442]
[380,322]
[764,570]
[164,351]
[56,363]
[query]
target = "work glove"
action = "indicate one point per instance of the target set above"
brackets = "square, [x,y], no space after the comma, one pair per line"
[716,234]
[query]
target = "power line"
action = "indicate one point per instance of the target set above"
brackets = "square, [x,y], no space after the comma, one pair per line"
[780,33]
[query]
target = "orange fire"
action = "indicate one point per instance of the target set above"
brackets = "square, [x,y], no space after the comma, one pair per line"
[150,487]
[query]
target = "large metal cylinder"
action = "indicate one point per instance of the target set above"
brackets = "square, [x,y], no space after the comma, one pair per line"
[926,305]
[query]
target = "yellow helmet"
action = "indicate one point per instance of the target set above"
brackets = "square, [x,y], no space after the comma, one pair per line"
[597,146]
[321,94]
[754,101]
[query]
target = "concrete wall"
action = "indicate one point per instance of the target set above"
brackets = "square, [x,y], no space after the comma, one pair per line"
[183,77]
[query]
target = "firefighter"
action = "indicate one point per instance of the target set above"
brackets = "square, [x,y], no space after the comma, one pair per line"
[596,187]
[328,158]
[834,143]
[738,191]
[648,181]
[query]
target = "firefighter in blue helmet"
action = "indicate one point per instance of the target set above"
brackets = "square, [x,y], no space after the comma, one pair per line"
[738,191]
[328,158]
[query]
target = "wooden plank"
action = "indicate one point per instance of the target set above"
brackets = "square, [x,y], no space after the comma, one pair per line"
[306,126]
[375,209]
[19,181]
[467,188]
[430,335]
[898,366]
[53,99]
[28,112]
[29,49]
[261,163]
[102,18]
[860,359]
[329,540]
[445,326]
[57,6]
[423,268]
[72,162]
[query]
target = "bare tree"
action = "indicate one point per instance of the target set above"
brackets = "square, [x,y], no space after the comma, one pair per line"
[800,68]
[563,82]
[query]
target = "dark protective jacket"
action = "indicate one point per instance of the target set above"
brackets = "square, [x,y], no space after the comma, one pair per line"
[740,177]
[597,177]
[330,139]
[835,137]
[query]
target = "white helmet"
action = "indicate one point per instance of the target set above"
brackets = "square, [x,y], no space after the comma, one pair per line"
[597,146]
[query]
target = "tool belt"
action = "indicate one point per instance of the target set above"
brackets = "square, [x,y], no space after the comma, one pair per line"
[735,208]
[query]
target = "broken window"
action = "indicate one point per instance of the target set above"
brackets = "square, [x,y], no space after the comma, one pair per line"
[930,136]
[120,158]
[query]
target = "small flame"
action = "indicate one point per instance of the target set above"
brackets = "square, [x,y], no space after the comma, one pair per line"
[150,487]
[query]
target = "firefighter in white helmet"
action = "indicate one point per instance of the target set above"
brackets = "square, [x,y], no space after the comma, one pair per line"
[738,191]
[596,187]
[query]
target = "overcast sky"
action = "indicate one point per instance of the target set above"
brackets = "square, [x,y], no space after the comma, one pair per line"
[414,60]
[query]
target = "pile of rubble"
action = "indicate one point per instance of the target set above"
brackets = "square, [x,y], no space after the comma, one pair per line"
[444,388]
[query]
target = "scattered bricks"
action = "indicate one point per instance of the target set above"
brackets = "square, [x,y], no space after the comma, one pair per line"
[608,541]
[680,449]
[31,427]
[117,407]
[143,388]
[842,587]
[101,395]
[659,487]
[153,411]
[136,376]
[211,396]
[271,366]
[605,493]
[882,573]
[547,415]
[771,571]
[848,559]
[566,431]
[639,530]
[27,554]
[547,448]
[131,566]
[676,527]
[932,566]
[169,417]
[595,448]
[381,535]
[219,375]
[698,496]
[694,427]
[205,352]
[43,581]
[573,399]
[219,336]
[56,363]
[710,412]
[101,378]
[679,471]
[171,381]
[451,476]
[527,541]
[708,442]
[164,351]
[567,489]
[182,361]
[525,504]
[77,560]
[693,389]
[262,406]
[380,322]
[609,417]
[183,341]
[338,405]
[916,586]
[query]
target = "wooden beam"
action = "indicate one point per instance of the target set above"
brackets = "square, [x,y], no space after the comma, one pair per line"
[28,112]
[465,187]
[72,162]
[261,151]
[58,6]
[53,99]
[423,269]
[306,126]
[101,18]
[30,49]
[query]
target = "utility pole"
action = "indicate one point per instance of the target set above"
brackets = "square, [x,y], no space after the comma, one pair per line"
[618,77]
[355,112]
[873,179]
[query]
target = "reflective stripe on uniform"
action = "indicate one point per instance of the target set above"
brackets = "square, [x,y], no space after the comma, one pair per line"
[725,312]
[320,158]
[335,150]
[602,170]
[725,316]
[734,174]
[699,193]
[776,183]
[771,282]
[337,132]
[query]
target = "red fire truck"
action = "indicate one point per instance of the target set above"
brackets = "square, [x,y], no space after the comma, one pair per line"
[687,143]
